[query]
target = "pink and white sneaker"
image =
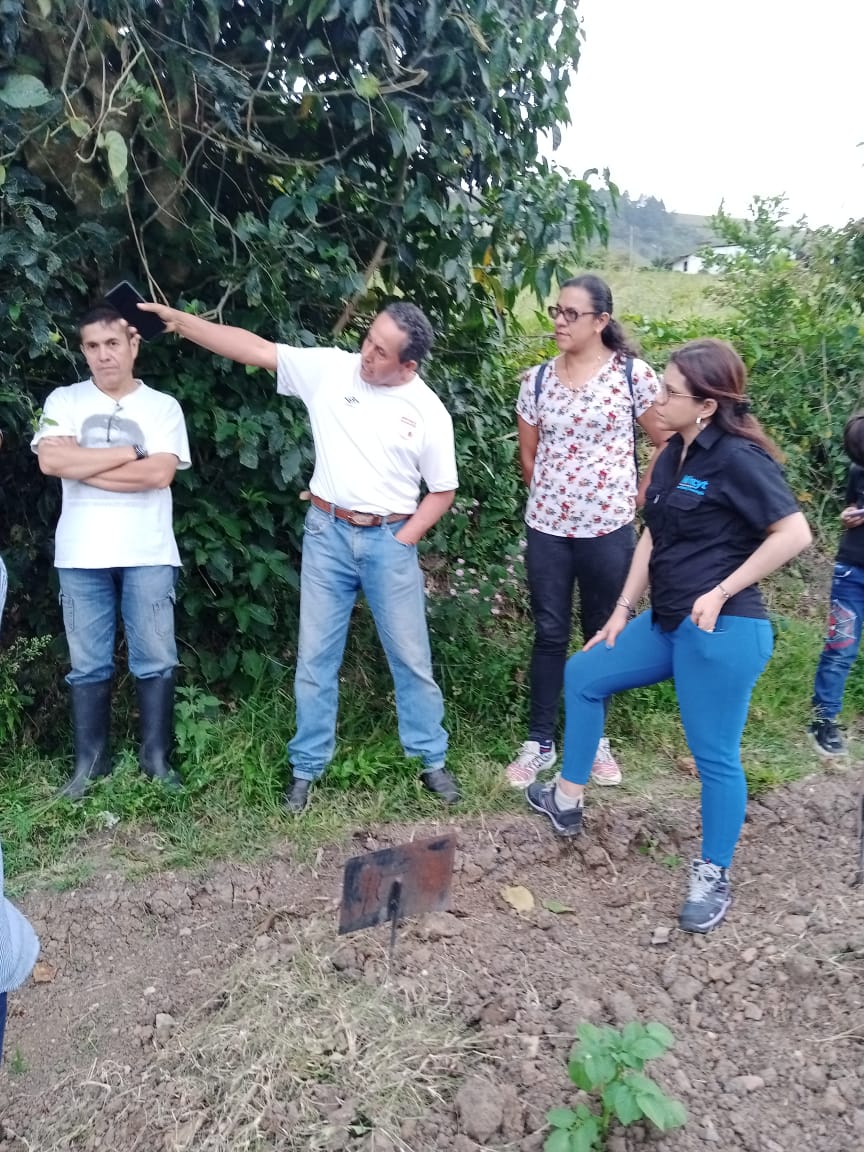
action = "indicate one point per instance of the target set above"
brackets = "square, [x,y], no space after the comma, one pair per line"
[605,770]
[529,763]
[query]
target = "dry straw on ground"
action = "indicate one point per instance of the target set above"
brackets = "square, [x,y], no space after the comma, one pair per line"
[289,1053]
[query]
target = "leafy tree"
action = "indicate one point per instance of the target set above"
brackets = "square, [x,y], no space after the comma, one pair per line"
[285,167]
[793,309]
[798,326]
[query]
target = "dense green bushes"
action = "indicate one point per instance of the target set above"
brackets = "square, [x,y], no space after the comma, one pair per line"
[286,168]
[792,307]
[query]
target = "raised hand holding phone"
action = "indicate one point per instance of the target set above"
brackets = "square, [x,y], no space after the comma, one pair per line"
[126,298]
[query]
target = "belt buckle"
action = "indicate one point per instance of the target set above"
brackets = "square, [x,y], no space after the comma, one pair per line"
[363,519]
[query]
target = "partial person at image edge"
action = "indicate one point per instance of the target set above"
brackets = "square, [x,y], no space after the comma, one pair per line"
[19,948]
[379,432]
[3,576]
[846,608]
[719,517]
[19,945]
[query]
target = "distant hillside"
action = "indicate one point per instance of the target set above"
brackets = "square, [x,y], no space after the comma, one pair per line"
[649,234]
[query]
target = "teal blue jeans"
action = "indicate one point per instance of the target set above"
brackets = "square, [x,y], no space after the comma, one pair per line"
[714,674]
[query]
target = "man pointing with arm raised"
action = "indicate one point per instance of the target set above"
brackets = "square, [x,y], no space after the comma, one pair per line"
[379,431]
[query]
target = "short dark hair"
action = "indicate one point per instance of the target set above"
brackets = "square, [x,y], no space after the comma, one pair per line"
[415,324]
[853,439]
[101,313]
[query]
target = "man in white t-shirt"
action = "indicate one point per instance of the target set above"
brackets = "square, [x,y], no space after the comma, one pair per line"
[379,431]
[116,445]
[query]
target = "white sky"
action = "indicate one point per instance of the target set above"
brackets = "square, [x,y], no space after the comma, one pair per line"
[694,102]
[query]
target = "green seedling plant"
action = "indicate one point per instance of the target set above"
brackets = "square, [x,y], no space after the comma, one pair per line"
[13,700]
[607,1063]
[195,726]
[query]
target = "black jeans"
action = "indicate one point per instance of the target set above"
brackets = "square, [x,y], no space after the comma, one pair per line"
[598,566]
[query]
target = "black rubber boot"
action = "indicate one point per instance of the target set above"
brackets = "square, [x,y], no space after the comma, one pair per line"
[156,719]
[91,724]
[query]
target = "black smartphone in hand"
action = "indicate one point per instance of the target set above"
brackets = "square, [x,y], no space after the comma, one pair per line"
[126,298]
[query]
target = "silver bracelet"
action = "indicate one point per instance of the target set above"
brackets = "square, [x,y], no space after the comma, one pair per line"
[723,592]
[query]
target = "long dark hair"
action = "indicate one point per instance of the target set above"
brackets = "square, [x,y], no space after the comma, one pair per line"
[714,371]
[613,335]
[853,438]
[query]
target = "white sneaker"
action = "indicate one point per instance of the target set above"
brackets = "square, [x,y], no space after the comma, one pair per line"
[605,770]
[529,763]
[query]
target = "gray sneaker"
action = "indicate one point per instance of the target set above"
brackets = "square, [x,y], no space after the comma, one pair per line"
[709,899]
[565,821]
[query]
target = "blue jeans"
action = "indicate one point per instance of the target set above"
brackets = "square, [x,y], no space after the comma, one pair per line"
[145,596]
[842,641]
[714,673]
[3,587]
[554,565]
[340,560]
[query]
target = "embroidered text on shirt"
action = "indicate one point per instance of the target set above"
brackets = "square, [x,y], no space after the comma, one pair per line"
[691,484]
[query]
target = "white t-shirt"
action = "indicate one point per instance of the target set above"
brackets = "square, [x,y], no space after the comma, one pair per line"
[373,443]
[100,529]
[584,481]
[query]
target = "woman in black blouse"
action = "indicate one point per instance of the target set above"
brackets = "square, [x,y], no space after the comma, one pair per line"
[719,517]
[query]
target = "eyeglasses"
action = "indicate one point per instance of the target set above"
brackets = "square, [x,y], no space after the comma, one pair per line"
[569,314]
[111,419]
[664,393]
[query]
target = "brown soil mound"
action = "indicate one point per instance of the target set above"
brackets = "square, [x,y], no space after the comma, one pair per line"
[222,1012]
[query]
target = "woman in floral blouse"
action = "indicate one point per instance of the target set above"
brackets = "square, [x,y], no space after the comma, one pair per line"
[576,449]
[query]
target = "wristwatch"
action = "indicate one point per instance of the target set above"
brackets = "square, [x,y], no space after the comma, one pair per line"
[140,451]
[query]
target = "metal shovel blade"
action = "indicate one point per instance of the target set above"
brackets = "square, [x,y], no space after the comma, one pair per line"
[407,880]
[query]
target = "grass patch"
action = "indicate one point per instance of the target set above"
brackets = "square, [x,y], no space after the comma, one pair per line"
[233,757]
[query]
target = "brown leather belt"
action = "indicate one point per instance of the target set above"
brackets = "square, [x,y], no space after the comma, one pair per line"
[358,519]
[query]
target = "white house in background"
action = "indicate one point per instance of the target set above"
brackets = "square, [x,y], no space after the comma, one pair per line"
[695,261]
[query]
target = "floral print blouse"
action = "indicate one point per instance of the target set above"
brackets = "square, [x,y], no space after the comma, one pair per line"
[585,478]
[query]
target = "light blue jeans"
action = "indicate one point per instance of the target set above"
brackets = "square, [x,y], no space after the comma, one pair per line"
[340,560]
[714,674]
[3,587]
[145,596]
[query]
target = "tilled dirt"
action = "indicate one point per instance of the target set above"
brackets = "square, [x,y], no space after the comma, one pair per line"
[166,1013]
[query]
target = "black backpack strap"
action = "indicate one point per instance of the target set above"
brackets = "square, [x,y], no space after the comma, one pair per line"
[628,372]
[539,378]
